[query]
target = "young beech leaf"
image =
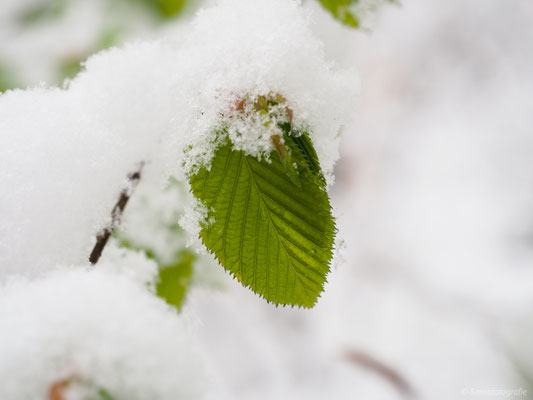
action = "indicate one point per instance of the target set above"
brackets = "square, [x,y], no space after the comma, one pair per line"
[174,279]
[274,233]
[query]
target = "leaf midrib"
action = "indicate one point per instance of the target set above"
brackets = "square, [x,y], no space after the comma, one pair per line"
[271,223]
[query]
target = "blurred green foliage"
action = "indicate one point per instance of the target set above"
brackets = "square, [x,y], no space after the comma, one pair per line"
[344,10]
[104,395]
[42,11]
[166,8]
[68,68]
[175,279]
[51,9]
[7,79]
[341,10]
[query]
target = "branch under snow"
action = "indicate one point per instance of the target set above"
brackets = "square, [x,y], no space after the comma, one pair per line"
[104,235]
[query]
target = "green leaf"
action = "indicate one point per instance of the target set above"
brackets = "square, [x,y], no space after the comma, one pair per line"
[341,11]
[174,279]
[273,231]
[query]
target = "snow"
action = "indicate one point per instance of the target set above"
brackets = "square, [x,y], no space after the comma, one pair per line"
[151,222]
[272,51]
[148,102]
[35,51]
[369,11]
[99,329]
[432,197]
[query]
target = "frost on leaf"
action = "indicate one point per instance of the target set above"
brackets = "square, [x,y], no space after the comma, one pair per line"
[273,228]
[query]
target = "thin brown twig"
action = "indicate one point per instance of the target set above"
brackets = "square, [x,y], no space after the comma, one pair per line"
[116,213]
[388,373]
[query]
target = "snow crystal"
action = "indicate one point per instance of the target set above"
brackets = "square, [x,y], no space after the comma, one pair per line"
[91,331]
[271,51]
[65,153]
